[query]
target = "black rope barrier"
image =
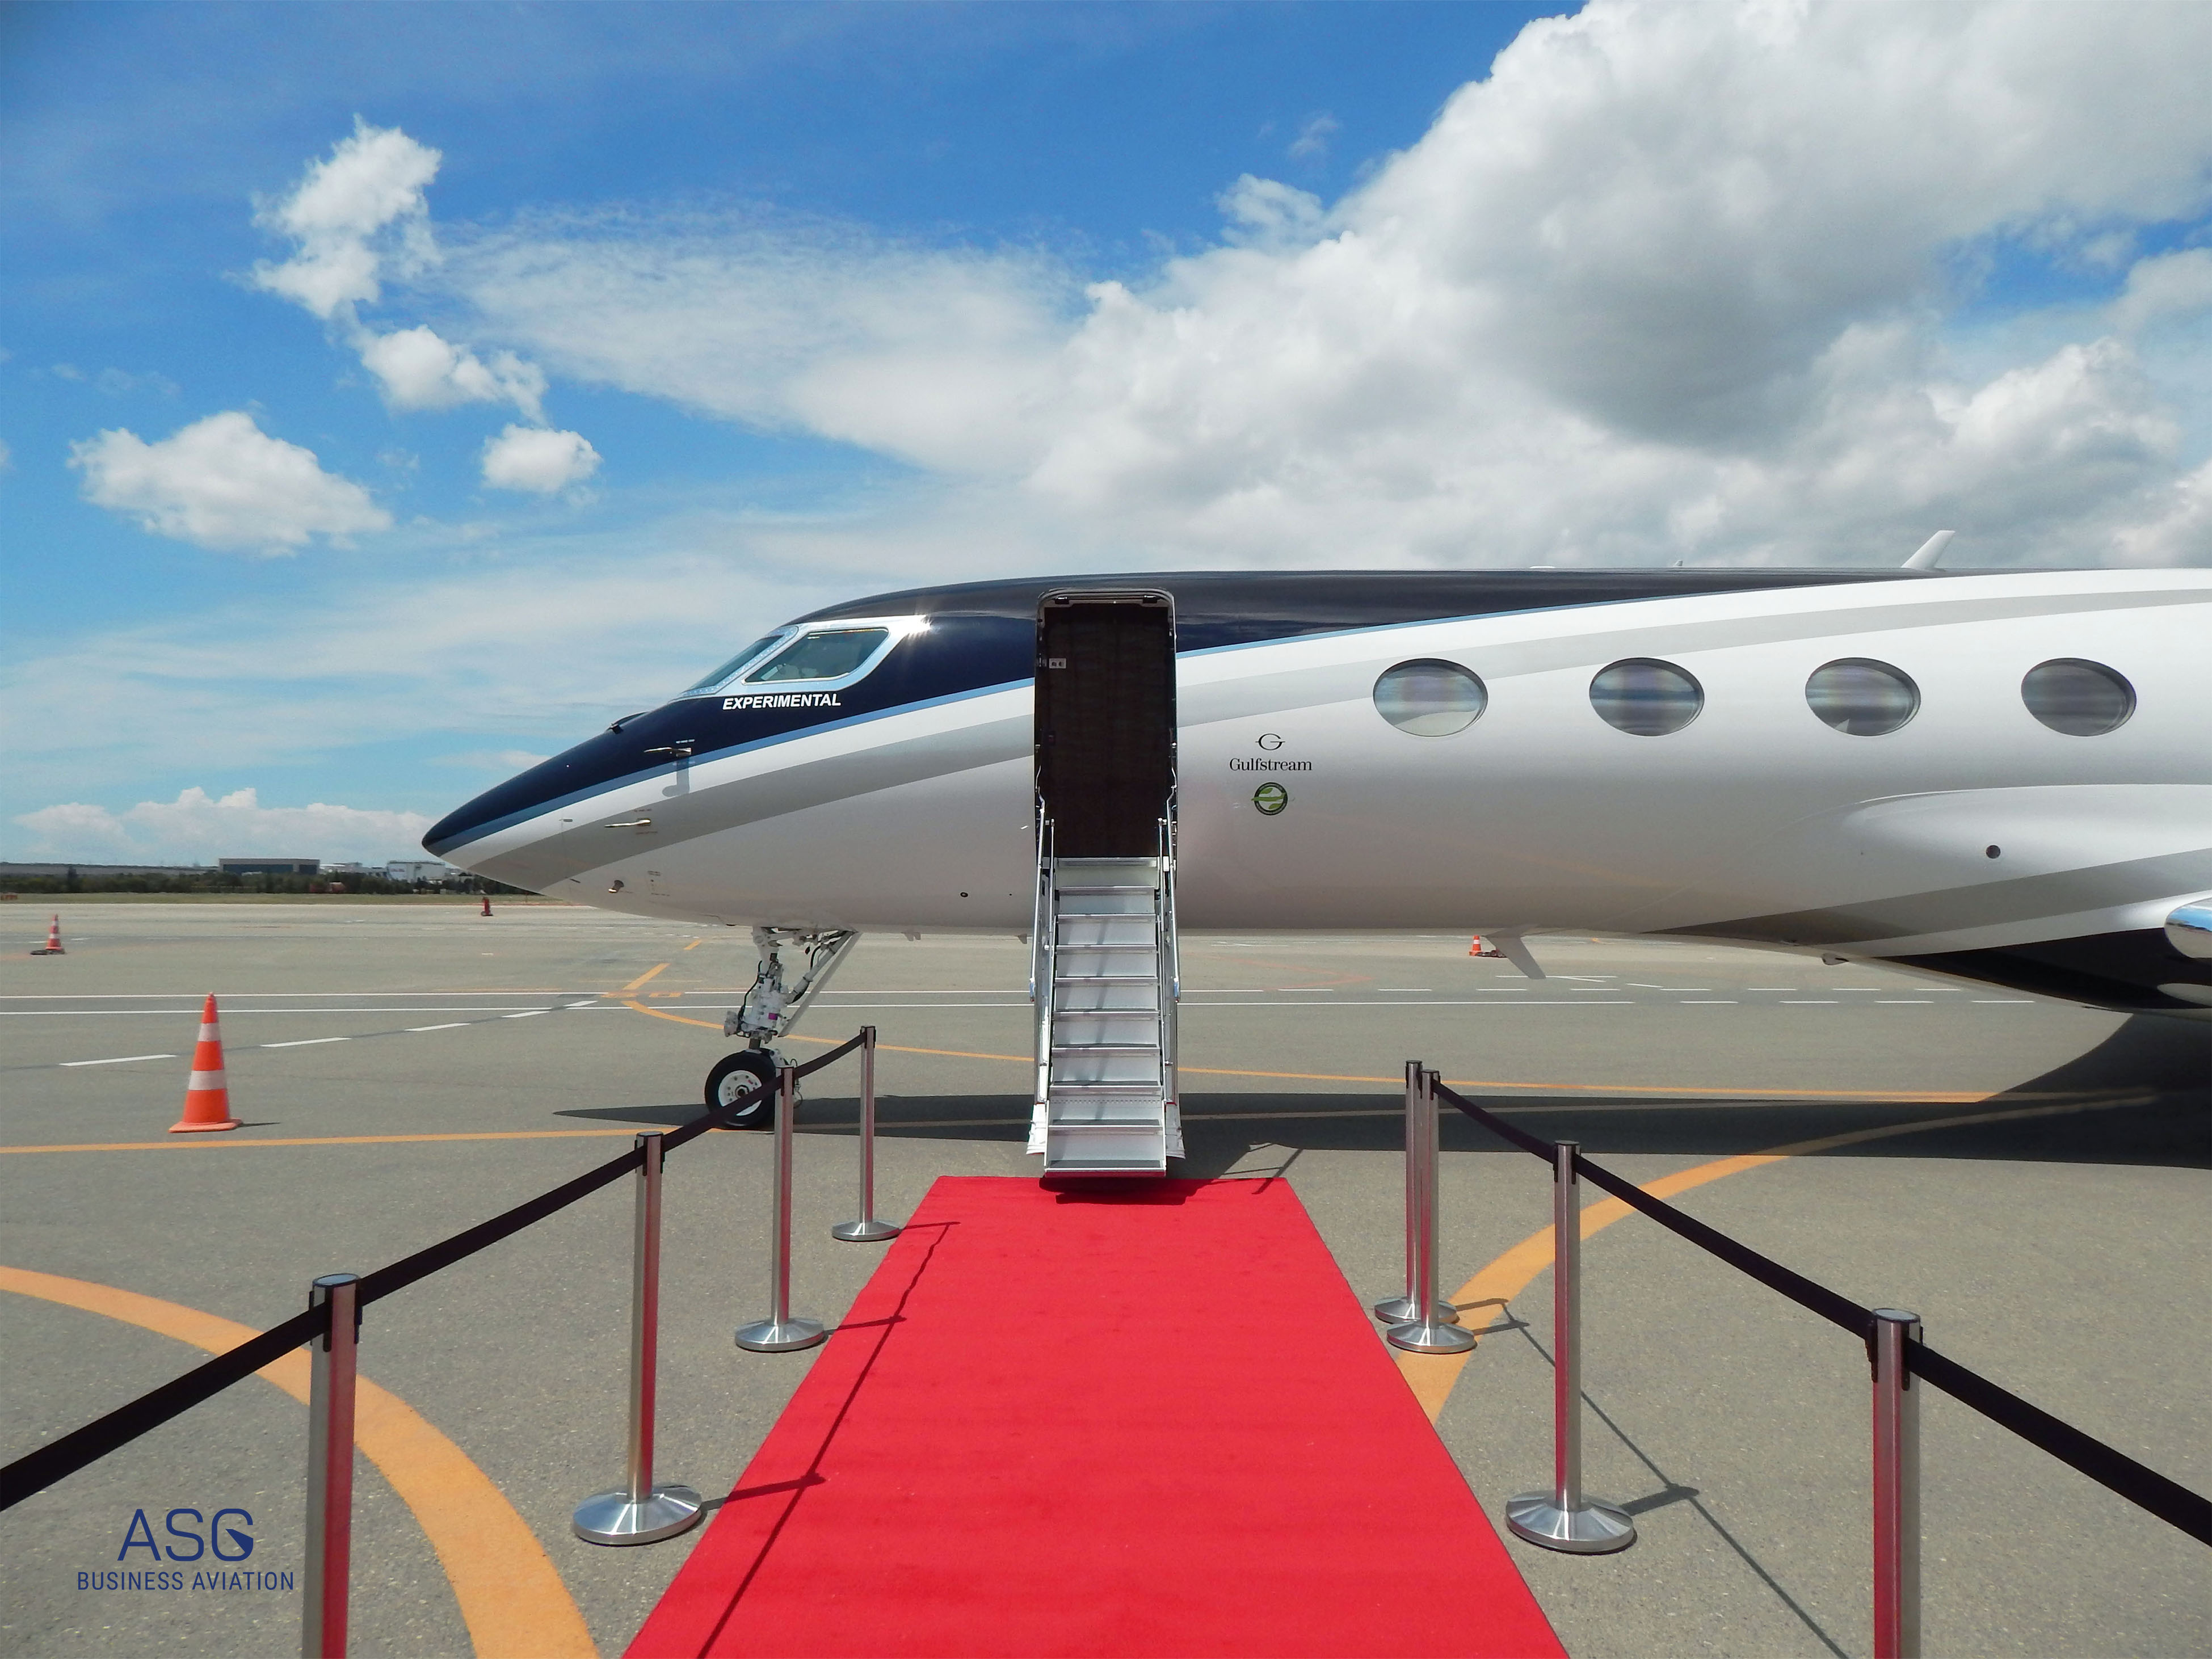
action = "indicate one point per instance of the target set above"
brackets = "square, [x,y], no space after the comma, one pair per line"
[2113,1469]
[2108,1466]
[57,1460]
[60,1459]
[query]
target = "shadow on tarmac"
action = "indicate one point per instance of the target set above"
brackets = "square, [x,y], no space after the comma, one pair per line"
[2142,1097]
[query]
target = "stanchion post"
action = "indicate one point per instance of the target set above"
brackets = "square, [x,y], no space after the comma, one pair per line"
[780,1333]
[1896,1488]
[1435,1327]
[1565,1517]
[867,1229]
[1421,1199]
[640,1512]
[330,1469]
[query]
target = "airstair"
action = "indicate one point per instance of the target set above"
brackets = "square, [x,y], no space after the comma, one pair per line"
[1104,981]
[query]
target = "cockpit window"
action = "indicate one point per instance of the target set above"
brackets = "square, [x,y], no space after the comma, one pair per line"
[821,653]
[728,670]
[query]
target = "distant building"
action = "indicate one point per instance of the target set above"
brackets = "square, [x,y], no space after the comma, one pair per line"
[434,872]
[269,866]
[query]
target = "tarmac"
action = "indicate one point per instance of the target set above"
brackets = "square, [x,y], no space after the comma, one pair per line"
[2028,1176]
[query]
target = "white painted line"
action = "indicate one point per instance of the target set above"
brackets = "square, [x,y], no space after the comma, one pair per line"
[455,1026]
[593,1003]
[2021,1001]
[305,1042]
[120,1059]
[527,1013]
[1808,1002]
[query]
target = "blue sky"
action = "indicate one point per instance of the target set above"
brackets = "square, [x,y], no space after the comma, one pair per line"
[393,394]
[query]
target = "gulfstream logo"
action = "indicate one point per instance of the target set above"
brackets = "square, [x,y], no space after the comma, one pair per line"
[1270,766]
[786,700]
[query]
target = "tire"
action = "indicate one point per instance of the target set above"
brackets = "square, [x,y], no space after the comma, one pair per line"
[734,1075]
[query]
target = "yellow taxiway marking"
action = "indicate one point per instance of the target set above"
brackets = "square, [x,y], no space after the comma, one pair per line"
[1888,1096]
[695,944]
[1430,1376]
[649,973]
[511,1598]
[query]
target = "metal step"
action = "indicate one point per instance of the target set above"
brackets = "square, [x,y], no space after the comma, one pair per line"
[1084,932]
[1105,1149]
[1109,996]
[1113,902]
[1127,1110]
[1097,964]
[1087,1030]
[1124,1066]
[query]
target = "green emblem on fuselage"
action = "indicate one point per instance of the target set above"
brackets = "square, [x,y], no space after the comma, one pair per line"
[1271,798]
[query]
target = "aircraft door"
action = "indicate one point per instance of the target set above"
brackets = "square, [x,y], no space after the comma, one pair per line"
[1106,721]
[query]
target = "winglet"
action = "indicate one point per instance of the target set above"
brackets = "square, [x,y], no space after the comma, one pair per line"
[1518,953]
[1930,551]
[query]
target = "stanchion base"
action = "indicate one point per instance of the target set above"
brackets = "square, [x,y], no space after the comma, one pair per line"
[1434,1337]
[1403,1310]
[1595,1529]
[612,1518]
[863,1232]
[767,1336]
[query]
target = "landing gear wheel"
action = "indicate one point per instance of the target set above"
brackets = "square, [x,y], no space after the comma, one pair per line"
[737,1074]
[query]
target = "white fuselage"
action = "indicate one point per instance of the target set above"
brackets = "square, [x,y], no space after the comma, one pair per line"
[1755,821]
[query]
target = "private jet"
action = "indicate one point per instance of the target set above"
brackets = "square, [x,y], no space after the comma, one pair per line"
[2002,777]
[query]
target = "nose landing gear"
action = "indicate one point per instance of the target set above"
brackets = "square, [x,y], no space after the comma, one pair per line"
[735,1075]
[770,1009]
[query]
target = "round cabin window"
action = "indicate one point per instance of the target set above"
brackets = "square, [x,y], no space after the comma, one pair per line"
[1429,698]
[1646,698]
[1861,697]
[2080,699]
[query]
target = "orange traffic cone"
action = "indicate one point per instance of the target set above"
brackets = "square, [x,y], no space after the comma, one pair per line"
[54,945]
[207,1097]
[487,910]
[1477,948]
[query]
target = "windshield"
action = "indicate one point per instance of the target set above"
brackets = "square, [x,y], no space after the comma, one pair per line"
[730,668]
[824,654]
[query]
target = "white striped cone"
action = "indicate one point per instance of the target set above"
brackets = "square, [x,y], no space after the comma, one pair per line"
[207,1097]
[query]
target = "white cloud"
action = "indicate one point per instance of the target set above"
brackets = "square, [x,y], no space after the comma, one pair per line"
[1671,282]
[224,483]
[353,214]
[419,370]
[539,461]
[540,646]
[197,828]
[1313,136]
[359,215]
[2166,285]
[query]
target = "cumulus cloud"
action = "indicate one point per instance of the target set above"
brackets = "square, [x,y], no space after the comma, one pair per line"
[537,460]
[198,828]
[224,483]
[359,215]
[419,370]
[1670,282]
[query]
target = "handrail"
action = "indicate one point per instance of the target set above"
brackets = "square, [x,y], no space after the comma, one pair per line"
[2109,1467]
[61,1458]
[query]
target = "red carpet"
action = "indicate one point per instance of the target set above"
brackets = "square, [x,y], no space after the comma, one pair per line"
[1145,1420]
